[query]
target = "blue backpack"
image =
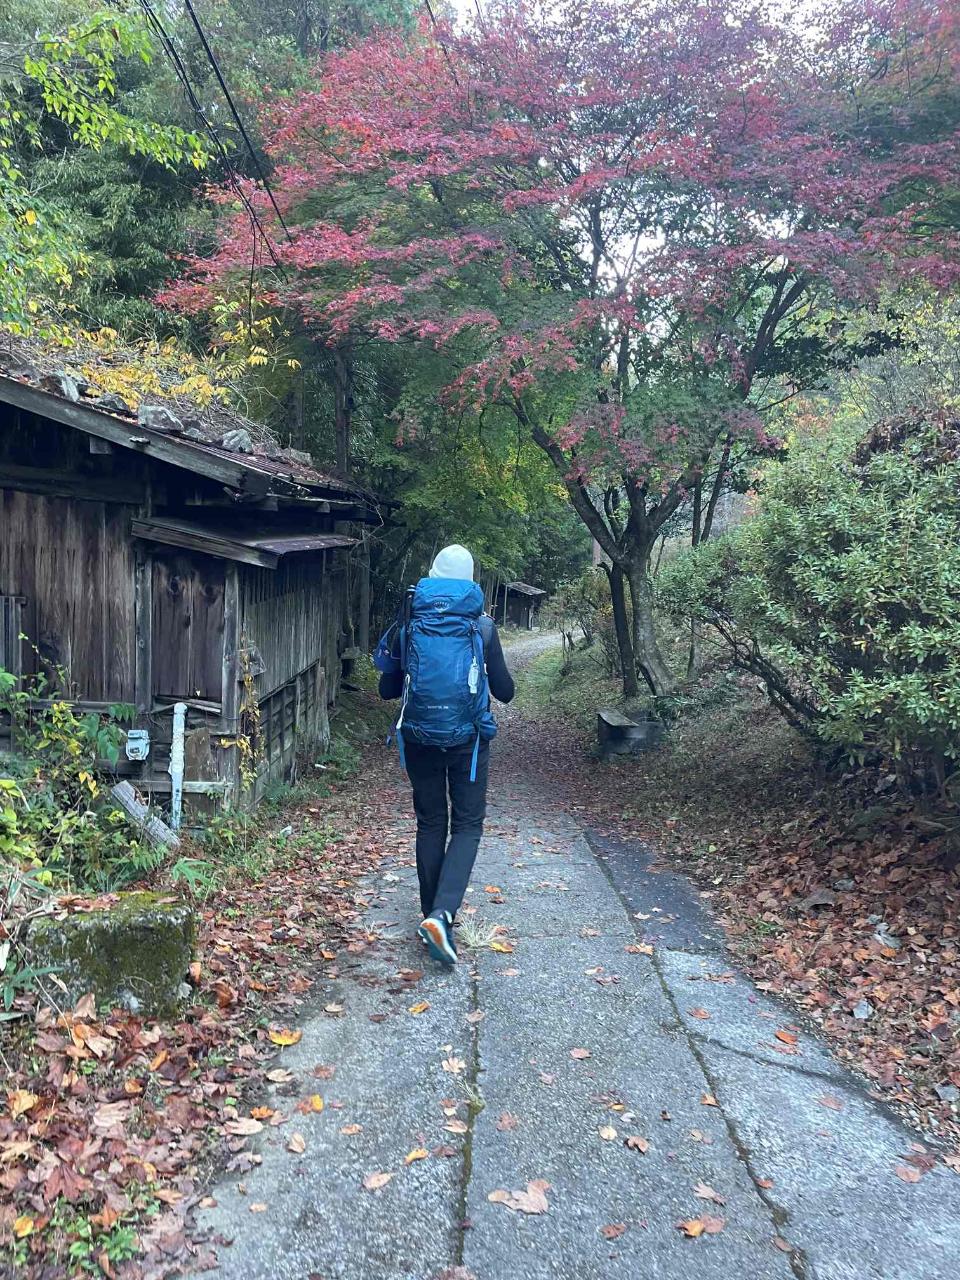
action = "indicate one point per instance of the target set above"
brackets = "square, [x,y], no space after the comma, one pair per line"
[446,698]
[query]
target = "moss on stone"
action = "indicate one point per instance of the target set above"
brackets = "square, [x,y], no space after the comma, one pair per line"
[135,952]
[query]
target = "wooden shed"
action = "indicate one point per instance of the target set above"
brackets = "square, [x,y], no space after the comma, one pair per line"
[517,604]
[149,562]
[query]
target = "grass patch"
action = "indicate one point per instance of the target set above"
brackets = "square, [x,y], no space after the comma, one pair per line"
[543,689]
[477,934]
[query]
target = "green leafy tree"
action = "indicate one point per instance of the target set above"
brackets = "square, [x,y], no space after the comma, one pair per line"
[63,84]
[842,593]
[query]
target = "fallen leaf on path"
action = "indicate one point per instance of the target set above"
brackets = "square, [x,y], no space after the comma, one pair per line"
[456,1126]
[786,1037]
[698,1013]
[765,1183]
[783,1245]
[258,1207]
[639,949]
[505,947]
[607,1133]
[262,1113]
[349,1130]
[323,1072]
[533,1200]
[694,1227]
[243,1127]
[613,1230]
[280,1075]
[284,1036]
[705,1192]
[313,1103]
[507,1122]
[445,1150]
[420,1007]
[708,1100]
[580,1054]
[455,1066]
[828,1100]
[476,1016]
[907,1173]
[332,1008]
[636,1143]
[297,1144]
[418,1153]
[21,1101]
[22,1226]
[375,1181]
[86,1008]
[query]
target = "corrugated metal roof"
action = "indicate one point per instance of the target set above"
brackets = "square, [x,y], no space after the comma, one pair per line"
[525,589]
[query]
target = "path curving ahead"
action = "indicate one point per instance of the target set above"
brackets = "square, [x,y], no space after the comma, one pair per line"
[536,1066]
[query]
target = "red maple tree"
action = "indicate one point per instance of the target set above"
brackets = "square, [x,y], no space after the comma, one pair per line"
[623,223]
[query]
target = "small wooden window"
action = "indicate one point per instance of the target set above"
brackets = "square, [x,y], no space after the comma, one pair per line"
[11,613]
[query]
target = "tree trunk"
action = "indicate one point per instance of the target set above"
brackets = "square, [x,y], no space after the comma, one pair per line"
[342,404]
[621,622]
[363,595]
[649,660]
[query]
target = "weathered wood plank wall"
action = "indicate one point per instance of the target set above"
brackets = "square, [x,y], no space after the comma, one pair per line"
[74,565]
[292,614]
[188,595]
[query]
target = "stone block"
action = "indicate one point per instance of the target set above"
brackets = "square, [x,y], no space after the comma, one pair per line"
[134,952]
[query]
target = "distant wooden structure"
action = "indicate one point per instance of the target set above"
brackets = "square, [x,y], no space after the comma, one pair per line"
[619,734]
[517,604]
[149,565]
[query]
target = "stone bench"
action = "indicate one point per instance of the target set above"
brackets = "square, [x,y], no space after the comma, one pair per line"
[619,734]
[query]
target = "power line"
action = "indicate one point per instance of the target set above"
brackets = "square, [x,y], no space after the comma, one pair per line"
[233,177]
[436,32]
[236,114]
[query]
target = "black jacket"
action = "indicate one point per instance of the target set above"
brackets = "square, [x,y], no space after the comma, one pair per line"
[498,677]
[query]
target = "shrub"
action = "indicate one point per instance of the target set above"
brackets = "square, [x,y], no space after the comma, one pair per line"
[843,594]
[56,817]
[583,604]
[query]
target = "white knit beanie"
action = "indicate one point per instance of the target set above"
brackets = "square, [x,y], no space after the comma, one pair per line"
[453,562]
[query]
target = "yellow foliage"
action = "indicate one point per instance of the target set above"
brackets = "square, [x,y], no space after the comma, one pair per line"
[140,371]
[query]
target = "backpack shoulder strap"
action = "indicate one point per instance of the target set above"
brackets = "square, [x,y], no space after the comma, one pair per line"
[487,627]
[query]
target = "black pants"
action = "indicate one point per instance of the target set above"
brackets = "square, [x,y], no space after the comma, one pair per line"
[444,869]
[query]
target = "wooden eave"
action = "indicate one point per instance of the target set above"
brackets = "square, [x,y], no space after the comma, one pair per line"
[264,550]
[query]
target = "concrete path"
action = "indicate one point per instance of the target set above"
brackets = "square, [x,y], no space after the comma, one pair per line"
[537,1064]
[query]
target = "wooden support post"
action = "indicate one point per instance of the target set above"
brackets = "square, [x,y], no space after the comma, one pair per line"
[149,825]
[363,603]
[230,678]
[143,632]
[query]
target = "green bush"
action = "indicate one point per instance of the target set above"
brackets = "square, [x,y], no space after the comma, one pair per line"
[56,816]
[842,593]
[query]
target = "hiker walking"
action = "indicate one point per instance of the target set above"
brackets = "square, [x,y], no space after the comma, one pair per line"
[443,660]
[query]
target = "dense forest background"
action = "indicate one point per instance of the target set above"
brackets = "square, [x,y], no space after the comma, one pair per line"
[552,294]
[111,218]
